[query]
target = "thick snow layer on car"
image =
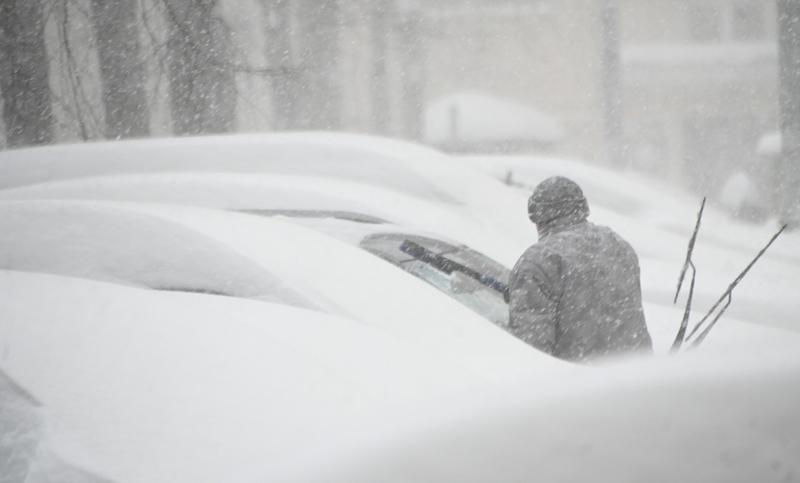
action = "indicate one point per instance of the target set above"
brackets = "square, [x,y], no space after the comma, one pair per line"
[99,241]
[193,249]
[473,117]
[154,386]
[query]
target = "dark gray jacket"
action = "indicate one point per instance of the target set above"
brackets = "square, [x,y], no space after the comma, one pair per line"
[576,294]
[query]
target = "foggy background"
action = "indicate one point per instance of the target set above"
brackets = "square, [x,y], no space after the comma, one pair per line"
[694,92]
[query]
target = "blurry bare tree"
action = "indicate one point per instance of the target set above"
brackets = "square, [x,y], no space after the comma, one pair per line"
[201,76]
[122,71]
[24,73]
[789,165]
[281,60]
[379,89]
[409,34]
[611,80]
[319,103]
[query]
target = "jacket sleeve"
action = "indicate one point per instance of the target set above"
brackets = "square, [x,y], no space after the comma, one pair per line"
[534,291]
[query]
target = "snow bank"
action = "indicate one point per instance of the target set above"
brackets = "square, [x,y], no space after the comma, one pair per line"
[470,117]
[696,418]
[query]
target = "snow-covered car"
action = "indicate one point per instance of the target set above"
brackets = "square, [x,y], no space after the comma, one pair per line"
[266,258]
[144,385]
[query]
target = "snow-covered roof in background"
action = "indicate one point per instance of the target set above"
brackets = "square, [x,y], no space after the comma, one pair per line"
[478,118]
[769,144]
[687,54]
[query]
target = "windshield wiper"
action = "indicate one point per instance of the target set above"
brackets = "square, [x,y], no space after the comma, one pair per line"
[449,266]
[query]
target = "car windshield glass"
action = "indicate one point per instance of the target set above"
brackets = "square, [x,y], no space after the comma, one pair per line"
[468,276]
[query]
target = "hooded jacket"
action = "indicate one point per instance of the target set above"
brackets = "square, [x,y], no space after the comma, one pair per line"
[576,293]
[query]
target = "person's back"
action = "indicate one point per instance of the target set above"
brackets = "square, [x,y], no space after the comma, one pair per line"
[576,293]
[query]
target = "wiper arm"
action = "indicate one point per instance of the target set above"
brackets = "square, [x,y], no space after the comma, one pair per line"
[449,266]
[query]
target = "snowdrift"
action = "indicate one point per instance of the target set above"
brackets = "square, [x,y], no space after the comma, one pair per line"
[696,418]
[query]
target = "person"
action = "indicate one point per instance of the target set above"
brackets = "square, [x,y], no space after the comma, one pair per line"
[575,294]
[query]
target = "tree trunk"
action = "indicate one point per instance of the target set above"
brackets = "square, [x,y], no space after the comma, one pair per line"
[122,71]
[413,71]
[789,58]
[24,74]
[201,77]
[379,88]
[610,68]
[319,62]
[280,57]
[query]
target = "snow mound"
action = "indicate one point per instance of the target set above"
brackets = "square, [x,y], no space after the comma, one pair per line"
[478,118]
[696,418]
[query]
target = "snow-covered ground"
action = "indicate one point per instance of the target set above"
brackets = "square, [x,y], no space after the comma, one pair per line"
[694,418]
[326,363]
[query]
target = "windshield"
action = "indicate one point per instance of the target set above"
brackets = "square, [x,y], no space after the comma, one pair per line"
[468,276]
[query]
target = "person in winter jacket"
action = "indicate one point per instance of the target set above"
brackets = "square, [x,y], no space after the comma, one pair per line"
[576,293]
